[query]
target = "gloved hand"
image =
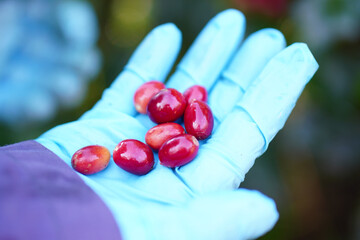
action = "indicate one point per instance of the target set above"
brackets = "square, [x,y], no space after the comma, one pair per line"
[252,91]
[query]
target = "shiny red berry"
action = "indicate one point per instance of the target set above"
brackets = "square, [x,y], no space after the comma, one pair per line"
[166,106]
[159,134]
[144,93]
[91,159]
[178,151]
[134,156]
[196,92]
[198,119]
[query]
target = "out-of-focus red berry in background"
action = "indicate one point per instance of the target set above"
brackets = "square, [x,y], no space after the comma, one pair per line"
[272,8]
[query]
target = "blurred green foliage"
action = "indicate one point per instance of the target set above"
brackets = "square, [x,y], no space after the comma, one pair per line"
[312,168]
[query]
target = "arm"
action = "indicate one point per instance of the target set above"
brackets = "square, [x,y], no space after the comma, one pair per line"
[43,198]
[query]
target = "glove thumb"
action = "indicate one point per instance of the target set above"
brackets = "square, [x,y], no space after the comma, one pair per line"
[239,214]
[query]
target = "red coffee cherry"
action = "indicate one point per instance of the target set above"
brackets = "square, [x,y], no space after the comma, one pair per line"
[144,93]
[198,119]
[91,159]
[178,151]
[196,92]
[159,134]
[134,156]
[166,106]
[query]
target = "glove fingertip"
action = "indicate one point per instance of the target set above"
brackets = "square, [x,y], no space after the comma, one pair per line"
[260,211]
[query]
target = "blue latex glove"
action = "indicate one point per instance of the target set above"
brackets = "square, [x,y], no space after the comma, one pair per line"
[252,92]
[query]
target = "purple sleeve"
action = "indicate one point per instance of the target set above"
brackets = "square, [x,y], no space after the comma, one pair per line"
[43,198]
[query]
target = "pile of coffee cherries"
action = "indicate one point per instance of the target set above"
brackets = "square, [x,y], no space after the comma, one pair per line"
[168,108]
